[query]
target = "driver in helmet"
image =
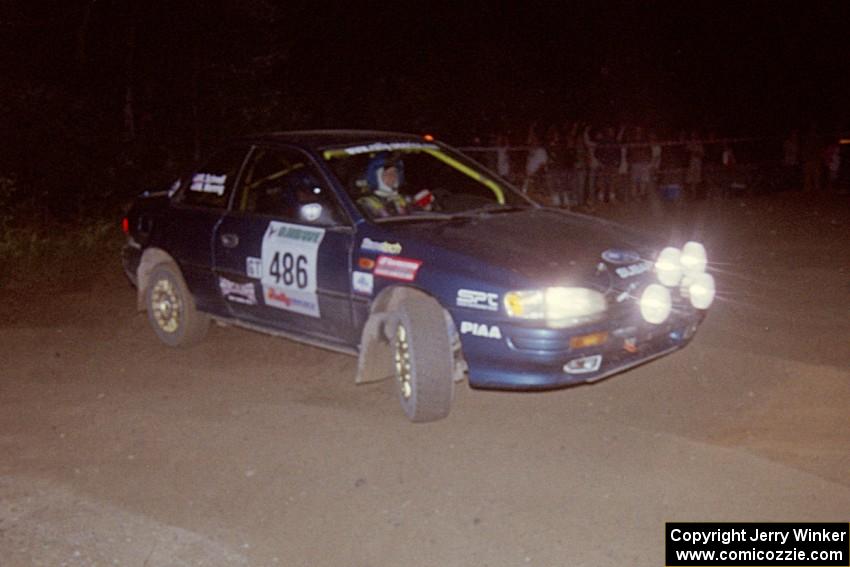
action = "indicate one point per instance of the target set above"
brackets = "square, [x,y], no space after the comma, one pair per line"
[384,177]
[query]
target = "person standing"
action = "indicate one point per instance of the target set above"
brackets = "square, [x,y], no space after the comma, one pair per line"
[832,163]
[503,161]
[640,160]
[791,160]
[608,153]
[811,150]
[693,176]
[556,174]
[535,163]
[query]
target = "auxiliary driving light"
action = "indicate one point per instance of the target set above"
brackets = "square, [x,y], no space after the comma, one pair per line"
[702,290]
[668,267]
[693,258]
[655,304]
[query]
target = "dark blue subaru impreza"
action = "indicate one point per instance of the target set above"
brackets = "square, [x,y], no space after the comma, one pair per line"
[416,259]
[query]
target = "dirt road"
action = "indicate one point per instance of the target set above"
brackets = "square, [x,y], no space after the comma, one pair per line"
[251,450]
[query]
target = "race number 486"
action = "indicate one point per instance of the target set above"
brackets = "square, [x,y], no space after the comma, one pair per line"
[290,269]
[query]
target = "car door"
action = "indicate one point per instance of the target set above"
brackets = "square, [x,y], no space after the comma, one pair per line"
[283,253]
[196,209]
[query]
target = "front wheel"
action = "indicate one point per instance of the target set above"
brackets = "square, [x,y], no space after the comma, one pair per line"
[171,308]
[423,360]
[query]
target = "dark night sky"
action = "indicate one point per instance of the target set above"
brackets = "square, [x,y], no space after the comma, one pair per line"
[751,67]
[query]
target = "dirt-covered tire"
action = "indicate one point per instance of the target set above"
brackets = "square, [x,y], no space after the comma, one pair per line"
[171,308]
[423,359]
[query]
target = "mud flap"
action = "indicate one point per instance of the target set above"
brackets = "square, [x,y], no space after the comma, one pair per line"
[375,362]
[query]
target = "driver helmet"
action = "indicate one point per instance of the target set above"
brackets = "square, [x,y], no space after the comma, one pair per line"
[375,178]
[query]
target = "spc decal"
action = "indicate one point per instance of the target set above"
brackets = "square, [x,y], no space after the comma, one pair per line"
[254,267]
[615,256]
[480,330]
[396,268]
[380,246]
[289,267]
[237,292]
[362,282]
[477,299]
[208,183]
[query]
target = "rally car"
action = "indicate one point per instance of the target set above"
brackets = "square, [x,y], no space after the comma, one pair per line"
[402,251]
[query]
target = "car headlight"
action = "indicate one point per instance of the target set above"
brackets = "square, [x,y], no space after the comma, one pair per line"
[558,306]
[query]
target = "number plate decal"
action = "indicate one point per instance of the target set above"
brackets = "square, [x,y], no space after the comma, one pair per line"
[289,258]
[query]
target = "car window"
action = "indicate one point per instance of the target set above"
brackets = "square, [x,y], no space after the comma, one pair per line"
[211,185]
[284,183]
[423,179]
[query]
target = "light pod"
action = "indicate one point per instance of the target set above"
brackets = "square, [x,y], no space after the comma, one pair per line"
[655,304]
[701,290]
[668,266]
[693,258]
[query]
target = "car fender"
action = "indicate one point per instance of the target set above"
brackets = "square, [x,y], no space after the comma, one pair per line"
[151,257]
[374,362]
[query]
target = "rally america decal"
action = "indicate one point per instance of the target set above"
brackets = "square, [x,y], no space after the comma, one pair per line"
[397,268]
[237,292]
[289,256]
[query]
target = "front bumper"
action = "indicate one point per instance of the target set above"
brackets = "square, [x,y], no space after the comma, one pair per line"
[527,358]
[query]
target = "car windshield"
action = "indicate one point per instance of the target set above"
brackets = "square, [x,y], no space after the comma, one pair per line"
[419,181]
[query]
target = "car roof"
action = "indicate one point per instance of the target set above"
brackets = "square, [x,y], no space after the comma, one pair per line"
[322,139]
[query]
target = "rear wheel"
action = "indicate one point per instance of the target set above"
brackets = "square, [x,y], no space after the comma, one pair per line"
[171,308]
[423,359]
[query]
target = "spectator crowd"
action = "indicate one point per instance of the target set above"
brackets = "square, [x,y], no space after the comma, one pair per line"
[578,165]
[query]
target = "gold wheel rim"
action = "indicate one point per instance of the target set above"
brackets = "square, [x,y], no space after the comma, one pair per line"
[402,362]
[166,305]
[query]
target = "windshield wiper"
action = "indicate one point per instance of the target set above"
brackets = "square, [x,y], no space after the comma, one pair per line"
[490,210]
[417,217]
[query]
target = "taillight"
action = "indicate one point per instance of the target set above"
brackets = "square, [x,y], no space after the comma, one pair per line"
[125,225]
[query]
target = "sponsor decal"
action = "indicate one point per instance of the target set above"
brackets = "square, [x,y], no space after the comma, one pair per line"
[480,330]
[362,282]
[294,301]
[615,256]
[280,296]
[633,270]
[237,292]
[473,299]
[382,147]
[396,268]
[630,345]
[365,263]
[208,183]
[382,247]
[627,292]
[288,267]
[254,267]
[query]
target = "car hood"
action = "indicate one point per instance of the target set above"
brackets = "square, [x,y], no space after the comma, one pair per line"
[545,246]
